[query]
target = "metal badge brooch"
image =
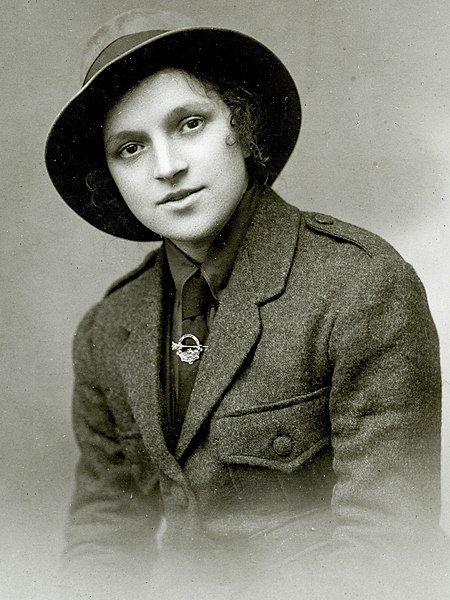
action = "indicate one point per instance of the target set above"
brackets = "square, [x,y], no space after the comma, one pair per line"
[187,352]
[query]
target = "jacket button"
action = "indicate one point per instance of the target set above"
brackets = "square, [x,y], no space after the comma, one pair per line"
[282,445]
[323,219]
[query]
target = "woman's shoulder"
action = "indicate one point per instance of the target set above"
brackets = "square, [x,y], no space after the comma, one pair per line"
[327,227]
[148,262]
[124,297]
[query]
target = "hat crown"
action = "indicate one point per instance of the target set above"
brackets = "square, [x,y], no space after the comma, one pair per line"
[119,47]
[139,22]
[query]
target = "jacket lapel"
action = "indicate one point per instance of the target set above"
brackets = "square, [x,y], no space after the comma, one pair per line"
[259,274]
[140,363]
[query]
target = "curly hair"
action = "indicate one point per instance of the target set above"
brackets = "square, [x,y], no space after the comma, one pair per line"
[247,119]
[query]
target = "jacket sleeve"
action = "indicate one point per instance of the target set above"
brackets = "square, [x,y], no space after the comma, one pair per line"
[385,409]
[385,424]
[111,527]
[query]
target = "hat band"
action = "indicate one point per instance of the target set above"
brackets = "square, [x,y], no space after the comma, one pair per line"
[119,47]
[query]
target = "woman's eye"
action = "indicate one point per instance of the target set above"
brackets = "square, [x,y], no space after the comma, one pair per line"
[192,123]
[129,150]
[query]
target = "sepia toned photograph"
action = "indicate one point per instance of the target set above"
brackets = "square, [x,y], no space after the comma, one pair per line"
[225,289]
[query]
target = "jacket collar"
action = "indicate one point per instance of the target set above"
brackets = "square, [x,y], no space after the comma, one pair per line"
[217,266]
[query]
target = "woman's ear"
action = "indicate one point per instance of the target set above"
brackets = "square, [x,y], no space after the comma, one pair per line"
[233,138]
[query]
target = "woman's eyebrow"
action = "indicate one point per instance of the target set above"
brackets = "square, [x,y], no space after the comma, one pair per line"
[181,111]
[120,136]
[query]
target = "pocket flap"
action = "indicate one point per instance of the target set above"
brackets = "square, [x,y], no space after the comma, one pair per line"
[281,435]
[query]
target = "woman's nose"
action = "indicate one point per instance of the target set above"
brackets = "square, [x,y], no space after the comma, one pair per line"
[168,163]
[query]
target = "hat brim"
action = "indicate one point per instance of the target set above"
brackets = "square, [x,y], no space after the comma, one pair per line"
[74,145]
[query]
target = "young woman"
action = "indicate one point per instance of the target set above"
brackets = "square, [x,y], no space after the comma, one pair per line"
[257,405]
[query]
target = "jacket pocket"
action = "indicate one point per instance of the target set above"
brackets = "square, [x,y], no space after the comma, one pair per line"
[281,435]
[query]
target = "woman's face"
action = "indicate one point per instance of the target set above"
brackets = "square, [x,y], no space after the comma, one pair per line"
[175,158]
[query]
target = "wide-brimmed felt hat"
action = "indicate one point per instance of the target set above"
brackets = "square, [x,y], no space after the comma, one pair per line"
[75,147]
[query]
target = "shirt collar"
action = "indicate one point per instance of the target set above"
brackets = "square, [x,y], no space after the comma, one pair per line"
[217,266]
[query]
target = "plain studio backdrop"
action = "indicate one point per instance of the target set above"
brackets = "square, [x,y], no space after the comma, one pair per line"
[374,79]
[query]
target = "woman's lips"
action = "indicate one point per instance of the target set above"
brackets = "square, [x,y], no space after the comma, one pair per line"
[180,195]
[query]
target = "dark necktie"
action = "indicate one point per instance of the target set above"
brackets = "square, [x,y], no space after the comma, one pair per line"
[196,299]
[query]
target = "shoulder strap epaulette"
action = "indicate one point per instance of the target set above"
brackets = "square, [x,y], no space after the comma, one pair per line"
[371,243]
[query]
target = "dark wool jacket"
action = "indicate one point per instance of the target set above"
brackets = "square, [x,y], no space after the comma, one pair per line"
[310,447]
